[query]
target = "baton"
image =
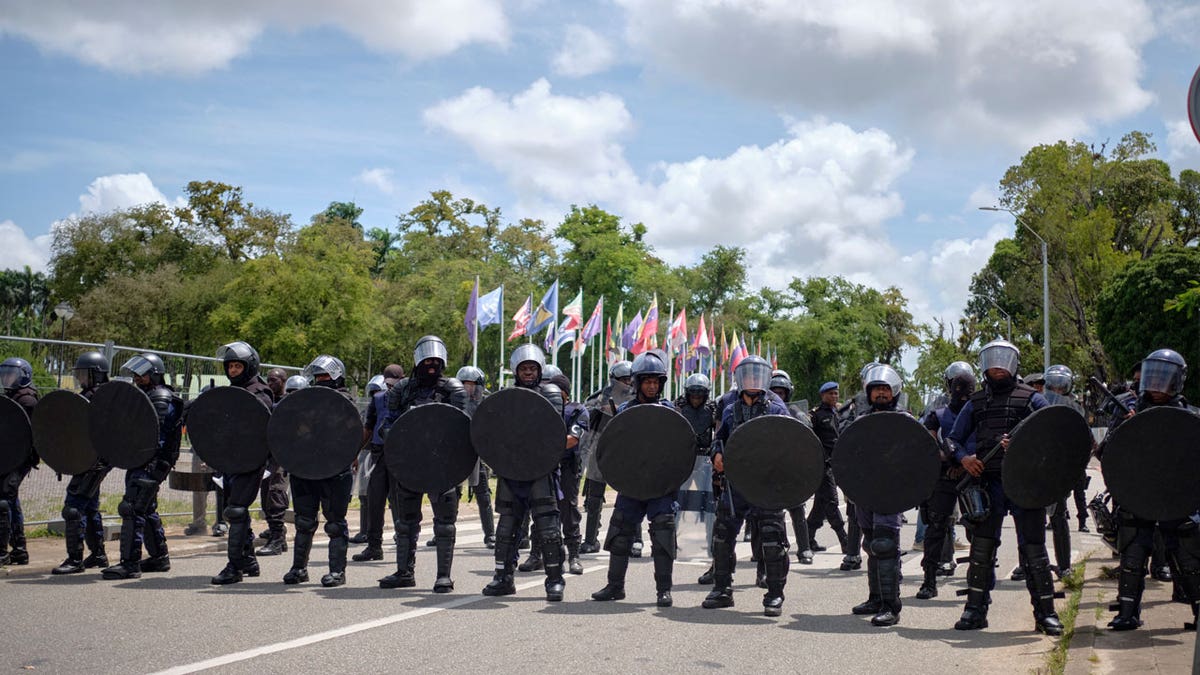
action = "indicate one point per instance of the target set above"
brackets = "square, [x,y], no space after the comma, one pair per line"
[962,484]
[1107,394]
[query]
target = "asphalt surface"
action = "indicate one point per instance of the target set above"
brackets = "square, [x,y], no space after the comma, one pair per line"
[177,622]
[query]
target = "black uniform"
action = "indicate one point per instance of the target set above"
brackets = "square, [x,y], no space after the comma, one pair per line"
[82,522]
[12,517]
[825,502]
[408,393]
[241,489]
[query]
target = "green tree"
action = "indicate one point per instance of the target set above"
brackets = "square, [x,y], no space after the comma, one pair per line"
[1132,318]
[219,211]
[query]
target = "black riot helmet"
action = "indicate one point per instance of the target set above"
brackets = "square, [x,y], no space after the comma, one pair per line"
[1163,371]
[697,385]
[781,380]
[15,372]
[960,380]
[91,370]
[1059,379]
[619,370]
[145,364]
[646,365]
[243,353]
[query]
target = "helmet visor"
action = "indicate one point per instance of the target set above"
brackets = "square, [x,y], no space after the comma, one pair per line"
[1161,376]
[752,376]
[999,356]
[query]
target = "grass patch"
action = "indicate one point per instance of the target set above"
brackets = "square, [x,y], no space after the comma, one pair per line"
[1056,662]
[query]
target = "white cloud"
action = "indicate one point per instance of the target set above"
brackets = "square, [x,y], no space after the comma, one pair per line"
[1013,72]
[983,195]
[584,52]
[20,249]
[177,36]
[380,179]
[1182,144]
[121,191]
[1179,21]
[542,142]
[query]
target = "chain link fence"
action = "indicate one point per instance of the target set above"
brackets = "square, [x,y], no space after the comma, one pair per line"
[43,491]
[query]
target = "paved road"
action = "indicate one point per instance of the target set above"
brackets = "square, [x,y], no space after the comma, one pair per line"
[177,622]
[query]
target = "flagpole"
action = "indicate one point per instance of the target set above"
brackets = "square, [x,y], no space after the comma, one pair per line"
[475,329]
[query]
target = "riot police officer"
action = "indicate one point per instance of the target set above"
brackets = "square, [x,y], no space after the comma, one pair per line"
[752,377]
[990,414]
[16,380]
[481,489]
[937,511]
[824,422]
[881,531]
[1162,376]
[82,522]
[364,465]
[427,384]
[601,407]
[649,377]
[700,411]
[273,493]
[1059,381]
[540,497]
[329,495]
[139,506]
[379,478]
[241,362]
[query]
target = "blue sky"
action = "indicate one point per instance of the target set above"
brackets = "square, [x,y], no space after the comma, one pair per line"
[825,137]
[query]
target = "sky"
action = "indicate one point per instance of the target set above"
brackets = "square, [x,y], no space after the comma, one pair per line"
[824,137]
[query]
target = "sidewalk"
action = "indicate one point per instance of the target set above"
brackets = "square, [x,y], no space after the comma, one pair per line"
[1159,646]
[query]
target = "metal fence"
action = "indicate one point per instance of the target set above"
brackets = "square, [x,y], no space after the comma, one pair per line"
[42,491]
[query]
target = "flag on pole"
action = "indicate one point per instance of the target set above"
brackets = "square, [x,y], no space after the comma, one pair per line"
[736,353]
[774,352]
[488,308]
[574,313]
[677,331]
[701,345]
[521,319]
[469,319]
[592,328]
[547,311]
[647,334]
[724,347]
[630,334]
[610,344]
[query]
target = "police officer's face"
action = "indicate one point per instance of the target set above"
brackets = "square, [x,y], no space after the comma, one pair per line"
[234,368]
[780,392]
[881,395]
[142,380]
[649,387]
[1158,397]
[470,387]
[528,372]
[430,365]
[696,400]
[830,398]
[625,380]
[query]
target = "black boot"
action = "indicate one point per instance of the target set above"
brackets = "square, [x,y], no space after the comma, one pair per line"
[1041,589]
[929,585]
[706,579]
[371,552]
[886,547]
[1130,585]
[19,554]
[276,544]
[720,597]
[591,539]
[445,560]
[615,590]
[663,567]
[874,603]
[574,566]
[230,575]
[979,582]
[339,546]
[533,562]
[74,540]
[131,554]
[301,547]
[98,557]
[773,600]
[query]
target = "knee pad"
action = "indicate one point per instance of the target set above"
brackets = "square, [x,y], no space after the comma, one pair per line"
[306,524]
[885,547]
[619,539]
[774,539]
[125,509]
[70,513]
[662,535]
[442,530]
[335,530]
[237,514]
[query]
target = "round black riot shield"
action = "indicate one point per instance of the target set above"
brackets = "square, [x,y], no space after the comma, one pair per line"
[1150,463]
[1046,455]
[647,451]
[428,449]
[60,432]
[315,433]
[17,435]
[228,430]
[123,425]
[774,461]
[519,434]
[886,462]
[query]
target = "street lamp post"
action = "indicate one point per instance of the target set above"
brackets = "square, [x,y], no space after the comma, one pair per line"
[64,312]
[1007,316]
[1045,284]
